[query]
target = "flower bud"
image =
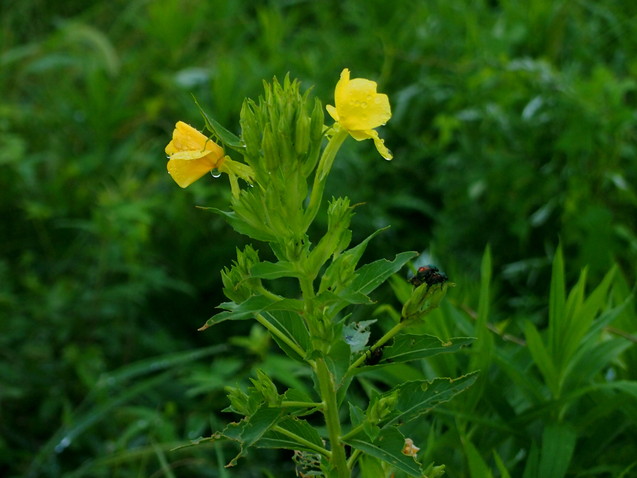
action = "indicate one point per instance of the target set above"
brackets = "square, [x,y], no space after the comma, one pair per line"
[424,298]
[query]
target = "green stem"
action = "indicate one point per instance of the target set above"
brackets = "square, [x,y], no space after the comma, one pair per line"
[292,403]
[303,441]
[323,169]
[284,338]
[332,419]
[353,432]
[379,343]
[352,459]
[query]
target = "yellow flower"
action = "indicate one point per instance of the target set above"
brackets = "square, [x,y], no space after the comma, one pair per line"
[359,109]
[191,155]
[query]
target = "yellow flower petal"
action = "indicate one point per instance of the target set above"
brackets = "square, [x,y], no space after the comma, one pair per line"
[358,105]
[332,111]
[359,108]
[187,171]
[191,155]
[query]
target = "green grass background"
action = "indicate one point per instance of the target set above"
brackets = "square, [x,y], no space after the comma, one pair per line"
[514,126]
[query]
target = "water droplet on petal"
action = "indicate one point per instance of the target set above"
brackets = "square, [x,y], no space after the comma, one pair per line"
[215,173]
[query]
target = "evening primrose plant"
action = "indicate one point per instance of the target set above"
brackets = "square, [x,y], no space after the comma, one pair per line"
[287,153]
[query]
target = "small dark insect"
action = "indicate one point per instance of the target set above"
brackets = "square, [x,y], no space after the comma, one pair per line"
[374,356]
[429,275]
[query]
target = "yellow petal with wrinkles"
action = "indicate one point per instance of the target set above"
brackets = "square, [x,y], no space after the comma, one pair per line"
[191,155]
[187,171]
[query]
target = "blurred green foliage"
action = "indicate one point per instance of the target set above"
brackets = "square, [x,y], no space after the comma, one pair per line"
[514,124]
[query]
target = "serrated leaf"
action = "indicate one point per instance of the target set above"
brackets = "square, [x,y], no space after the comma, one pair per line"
[413,347]
[249,430]
[418,397]
[388,447]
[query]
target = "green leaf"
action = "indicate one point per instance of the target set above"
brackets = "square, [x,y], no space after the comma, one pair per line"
[240,225]
[249,308]
[418,397]
[413,347]
[274,270]
[558,443]
[344,264]
[245,310]
[478,468]
[541,357]
[370,276]
[557,304]
[250,430]
[296,426]
[291,325]
[388,447]
[504,473]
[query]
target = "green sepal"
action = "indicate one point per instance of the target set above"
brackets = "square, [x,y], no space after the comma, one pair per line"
[224,135]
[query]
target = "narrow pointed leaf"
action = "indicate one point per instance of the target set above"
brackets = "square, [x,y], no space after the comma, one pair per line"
[370,276]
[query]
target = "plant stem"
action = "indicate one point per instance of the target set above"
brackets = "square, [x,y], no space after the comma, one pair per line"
[323,169]
[379,343]
[292,403]
[332,420]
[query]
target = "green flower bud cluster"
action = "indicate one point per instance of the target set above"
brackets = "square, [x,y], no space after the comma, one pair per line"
[262,392]
[282,134]
[238,283]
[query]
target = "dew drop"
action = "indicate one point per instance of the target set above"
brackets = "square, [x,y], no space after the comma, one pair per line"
[215,173]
